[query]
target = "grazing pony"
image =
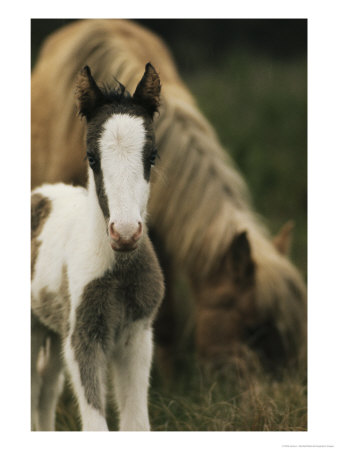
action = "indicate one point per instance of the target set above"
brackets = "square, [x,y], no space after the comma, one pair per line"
[247,292]
[96,282]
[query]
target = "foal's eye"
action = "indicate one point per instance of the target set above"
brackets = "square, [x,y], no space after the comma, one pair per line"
[153,156]
[91,160]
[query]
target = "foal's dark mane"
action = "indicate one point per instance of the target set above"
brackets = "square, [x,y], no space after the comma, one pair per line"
[122,100]
[115,94]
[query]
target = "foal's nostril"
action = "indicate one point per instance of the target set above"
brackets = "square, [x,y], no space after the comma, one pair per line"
[113,233]
[136,236]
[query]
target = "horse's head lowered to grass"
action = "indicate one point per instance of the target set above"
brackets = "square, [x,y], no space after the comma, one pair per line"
[235,321]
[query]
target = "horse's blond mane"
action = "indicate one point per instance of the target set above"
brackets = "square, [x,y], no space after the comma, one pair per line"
[216,201]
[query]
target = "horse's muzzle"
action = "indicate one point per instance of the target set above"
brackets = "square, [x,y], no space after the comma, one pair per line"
[122,241]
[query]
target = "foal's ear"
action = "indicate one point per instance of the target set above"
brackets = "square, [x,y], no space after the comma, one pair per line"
[240,263]
[88,94]
[147,92]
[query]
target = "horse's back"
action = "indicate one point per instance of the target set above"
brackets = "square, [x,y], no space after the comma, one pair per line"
[85,38]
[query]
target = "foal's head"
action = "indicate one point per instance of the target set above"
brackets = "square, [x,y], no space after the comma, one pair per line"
[120,151]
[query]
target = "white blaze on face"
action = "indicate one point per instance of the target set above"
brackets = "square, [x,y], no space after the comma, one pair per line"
[121,150]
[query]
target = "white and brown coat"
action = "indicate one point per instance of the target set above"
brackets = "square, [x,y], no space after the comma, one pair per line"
[96,281]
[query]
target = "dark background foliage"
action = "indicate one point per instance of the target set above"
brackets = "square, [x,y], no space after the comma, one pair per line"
[282,38]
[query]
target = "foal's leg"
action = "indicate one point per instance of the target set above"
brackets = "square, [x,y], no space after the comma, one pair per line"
[165,324]
[46,369]
[86,366]
[131,378]
[52,381]
[38,337]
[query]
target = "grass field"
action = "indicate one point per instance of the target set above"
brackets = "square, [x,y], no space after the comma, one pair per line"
[200,402]
[259,108]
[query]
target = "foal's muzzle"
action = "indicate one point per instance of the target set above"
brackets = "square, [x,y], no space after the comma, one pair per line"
[124,237]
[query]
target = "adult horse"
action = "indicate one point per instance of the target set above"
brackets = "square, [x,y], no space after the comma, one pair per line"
[247,293]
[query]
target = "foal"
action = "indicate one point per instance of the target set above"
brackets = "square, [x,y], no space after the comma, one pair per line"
[96,282]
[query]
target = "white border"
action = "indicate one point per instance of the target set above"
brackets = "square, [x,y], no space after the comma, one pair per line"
[15,120]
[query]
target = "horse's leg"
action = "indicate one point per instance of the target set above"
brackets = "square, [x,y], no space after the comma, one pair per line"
[131,369]
[38,337]
[86,367]
[165,330]
[52,381]
[165,322]
[46,369]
